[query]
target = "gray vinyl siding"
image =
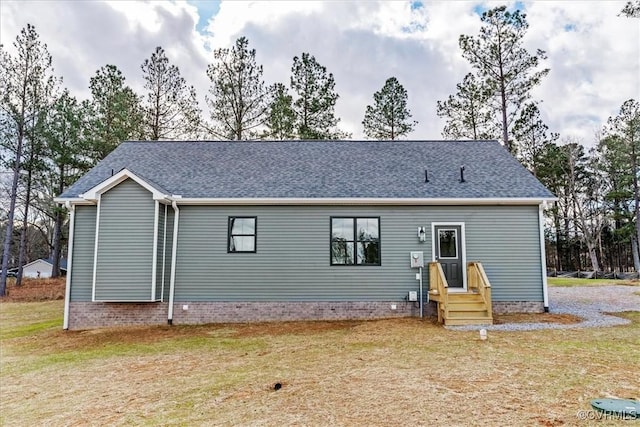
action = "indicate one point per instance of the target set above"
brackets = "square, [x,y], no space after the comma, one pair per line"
[84,234]
[125,244]
[292,258]
[167,254]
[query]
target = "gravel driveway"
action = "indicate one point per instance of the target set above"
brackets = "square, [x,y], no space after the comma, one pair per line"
[590,303]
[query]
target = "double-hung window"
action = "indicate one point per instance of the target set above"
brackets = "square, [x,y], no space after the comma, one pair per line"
[242,234]
[355,241]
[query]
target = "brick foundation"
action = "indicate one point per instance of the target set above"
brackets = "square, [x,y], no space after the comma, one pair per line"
[509,307]
[85,315]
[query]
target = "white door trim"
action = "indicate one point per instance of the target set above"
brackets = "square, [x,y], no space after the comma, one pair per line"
[463,249]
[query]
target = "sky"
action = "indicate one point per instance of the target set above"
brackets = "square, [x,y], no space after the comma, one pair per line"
[593,53]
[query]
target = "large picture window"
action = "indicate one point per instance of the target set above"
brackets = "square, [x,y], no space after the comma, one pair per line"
[355,241]
[242,234]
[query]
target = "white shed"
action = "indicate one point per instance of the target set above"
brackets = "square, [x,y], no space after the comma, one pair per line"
[41,268]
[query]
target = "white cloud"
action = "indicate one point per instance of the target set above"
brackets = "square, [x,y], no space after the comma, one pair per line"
[593,54]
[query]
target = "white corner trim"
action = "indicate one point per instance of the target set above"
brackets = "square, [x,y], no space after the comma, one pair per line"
[154,255]
[463,246]
[543,258]
[67,292]
[106,185]
[95,252]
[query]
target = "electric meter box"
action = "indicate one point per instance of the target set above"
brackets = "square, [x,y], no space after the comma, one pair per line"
[413,296]
[417,259]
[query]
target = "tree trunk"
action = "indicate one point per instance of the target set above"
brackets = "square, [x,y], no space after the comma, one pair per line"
[636,256]
[556,221]
[17,166]
[591,247]
[10,216]
[57,229]
[57,240]
[25,223]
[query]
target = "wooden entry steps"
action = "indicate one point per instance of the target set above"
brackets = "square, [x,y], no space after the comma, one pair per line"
[472,307]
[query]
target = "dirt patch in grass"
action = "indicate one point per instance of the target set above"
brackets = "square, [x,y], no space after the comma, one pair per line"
[35,290]
[564,319]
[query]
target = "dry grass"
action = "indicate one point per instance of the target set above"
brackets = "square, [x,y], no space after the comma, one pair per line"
[35,290]
[388,372]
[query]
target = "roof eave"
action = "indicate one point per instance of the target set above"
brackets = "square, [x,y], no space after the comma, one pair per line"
[365,201]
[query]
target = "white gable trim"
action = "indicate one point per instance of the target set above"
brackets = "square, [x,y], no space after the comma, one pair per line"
[106,185]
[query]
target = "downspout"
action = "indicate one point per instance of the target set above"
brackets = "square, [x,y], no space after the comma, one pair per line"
[67,292]
[543,257]
[174,247]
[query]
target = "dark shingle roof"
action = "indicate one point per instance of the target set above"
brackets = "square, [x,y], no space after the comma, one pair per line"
[320,169]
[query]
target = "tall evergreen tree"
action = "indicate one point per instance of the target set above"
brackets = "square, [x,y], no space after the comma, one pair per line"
[504,66]
[389,117]
[468,112]
[114,112]
[170,106]
[615,166]
[26,81]
[625,128]
[551,172]
[67,161]
[530,134]
[280,117]
[315,99]
[238,99]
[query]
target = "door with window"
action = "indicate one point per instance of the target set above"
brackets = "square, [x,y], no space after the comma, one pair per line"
[448,251]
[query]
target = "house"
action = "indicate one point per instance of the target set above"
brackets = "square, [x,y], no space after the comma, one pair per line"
[198,232]
[42,268]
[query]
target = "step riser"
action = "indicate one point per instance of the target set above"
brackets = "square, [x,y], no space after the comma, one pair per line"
[467,309]
[468,315]
[463,322]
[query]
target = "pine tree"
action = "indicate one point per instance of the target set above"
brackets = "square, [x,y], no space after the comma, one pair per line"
[114,112]
[315,99]
[67,161]
[468,113]
[530,135]
[389,117]
[280,117]
[238,99]
[26,85]
[170,107]
[503,65]
[625,128]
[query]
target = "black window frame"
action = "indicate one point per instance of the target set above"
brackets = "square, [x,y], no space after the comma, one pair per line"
[355,241]
[254,235]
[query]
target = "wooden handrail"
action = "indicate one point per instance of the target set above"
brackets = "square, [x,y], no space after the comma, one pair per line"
[440,288]
[477,279]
